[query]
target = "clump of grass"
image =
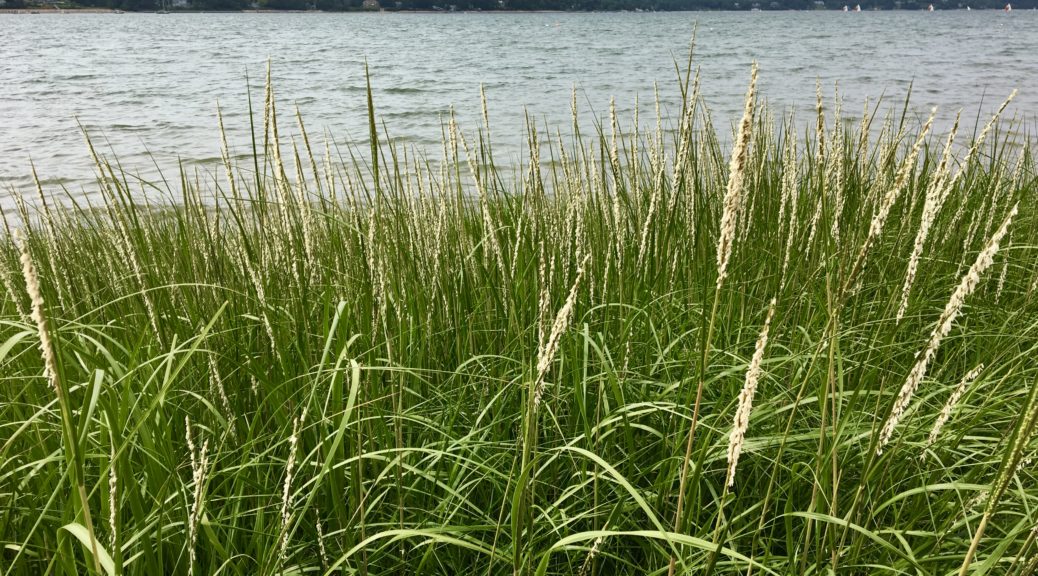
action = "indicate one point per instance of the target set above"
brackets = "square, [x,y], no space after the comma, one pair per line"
[944,325]
[379,361]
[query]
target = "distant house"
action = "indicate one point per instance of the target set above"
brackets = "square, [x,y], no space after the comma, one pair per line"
[180,4]
[371,5]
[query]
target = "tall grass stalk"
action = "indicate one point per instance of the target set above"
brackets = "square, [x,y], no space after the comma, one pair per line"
[732,206]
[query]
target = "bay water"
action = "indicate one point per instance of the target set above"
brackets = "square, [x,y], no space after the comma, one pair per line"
[146,87]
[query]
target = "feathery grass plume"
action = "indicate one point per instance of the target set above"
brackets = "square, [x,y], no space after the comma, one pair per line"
[257,285]
[614,136]
[286,493]
[936,192]
[484,109]
[654,198]
[887,203]
[691,160]
[946,411]
[790,194]
[967,161]
[986,213]
[544,294]
[1005,185]
[12,294]
[535,181]
[32,286]
[813,227]
[585,568]
[305,214]
[320,540]
[635,141]
[619,227]
[489,226]
[329,177]
[838,177]
[274,142]
[51,237]
[225,157]
[199,467]
[820,125]
[216,384]
[997,190]
[834,169]
[378,280]
[864,130]
[789,158]
[975,147]
[953,225]
[282,186]
[685,137]
[657,144]
[517,243]
[749,388]
[1005,271]
[130,254]
[580,226]
[755,163]
[113,485]
[820,162]
[309,152]
[546,356]
[733,197]
[944,324]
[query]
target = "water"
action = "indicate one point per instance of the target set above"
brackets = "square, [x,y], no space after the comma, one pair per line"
[146,86]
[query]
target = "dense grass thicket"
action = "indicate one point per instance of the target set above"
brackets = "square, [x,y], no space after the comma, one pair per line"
[640,351]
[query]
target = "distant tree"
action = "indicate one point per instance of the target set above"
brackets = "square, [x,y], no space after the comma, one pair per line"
[333,5]
[284,4]
[570,5]
[224,5]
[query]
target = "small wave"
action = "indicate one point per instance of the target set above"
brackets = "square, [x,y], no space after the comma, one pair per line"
[403,90]
[75,77]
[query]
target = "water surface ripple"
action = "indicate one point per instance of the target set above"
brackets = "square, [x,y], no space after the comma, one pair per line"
[146,86]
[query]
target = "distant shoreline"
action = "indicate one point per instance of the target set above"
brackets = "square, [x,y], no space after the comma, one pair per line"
[91,10]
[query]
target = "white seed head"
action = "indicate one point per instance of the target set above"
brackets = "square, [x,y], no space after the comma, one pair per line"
[32,286]
[113,484]
[286,494]
[945,414]
[900,180]
[936,192]
[749,388]
[733,197]
[199,466]
[559,327]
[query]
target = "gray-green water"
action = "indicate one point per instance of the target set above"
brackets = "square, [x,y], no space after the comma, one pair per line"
[143,83]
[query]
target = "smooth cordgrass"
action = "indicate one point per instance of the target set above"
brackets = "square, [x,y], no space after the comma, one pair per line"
[329,359]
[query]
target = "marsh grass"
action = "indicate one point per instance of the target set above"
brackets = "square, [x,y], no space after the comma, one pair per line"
[373,362]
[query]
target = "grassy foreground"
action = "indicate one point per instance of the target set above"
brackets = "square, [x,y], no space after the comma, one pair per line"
[640,352]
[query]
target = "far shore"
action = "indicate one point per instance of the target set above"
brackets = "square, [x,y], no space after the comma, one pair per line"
[92,10]
[52,10]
